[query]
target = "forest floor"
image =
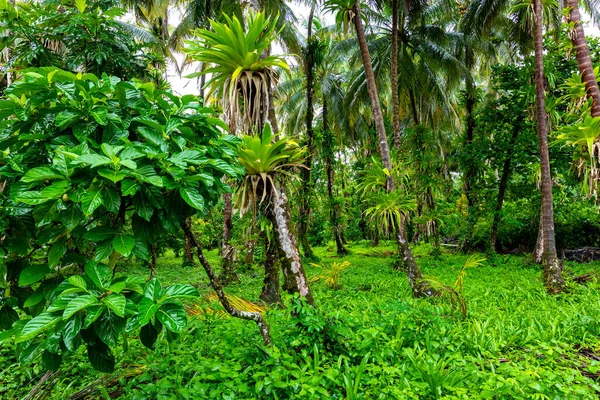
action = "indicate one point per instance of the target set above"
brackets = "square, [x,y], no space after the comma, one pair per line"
[367,340]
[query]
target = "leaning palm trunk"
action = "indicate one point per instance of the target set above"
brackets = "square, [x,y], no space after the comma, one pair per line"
[406,257]
[584,61]
[553,279]
[278,212]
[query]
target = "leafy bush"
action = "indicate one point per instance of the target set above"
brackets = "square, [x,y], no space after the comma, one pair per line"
[96,169]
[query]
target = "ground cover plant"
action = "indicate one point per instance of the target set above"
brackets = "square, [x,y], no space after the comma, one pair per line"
[366,339]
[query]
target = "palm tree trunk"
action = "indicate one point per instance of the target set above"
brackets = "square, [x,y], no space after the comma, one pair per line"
[503,185]
[469,134]
[228,274]
[410,266]
[334,211]
[394,75]
[278,213]
[584,61]
[553,279]
[304,209]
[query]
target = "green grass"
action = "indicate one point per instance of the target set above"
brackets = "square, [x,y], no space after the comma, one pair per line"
[369,340]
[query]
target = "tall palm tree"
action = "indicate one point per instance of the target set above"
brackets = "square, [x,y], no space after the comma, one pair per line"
[553,279]
[584,61]
[349,10]
[306,190]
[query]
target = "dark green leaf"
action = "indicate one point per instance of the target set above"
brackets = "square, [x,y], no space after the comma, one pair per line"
[79,303]
[173,317]
[38,325]
[116,302]
[51,361]
[33,274]
[99,274]
[123,244]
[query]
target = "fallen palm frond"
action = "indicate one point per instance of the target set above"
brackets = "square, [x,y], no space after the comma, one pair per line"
[201,307]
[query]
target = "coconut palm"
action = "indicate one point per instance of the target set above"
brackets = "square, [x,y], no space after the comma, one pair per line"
[267,162]
[349,11]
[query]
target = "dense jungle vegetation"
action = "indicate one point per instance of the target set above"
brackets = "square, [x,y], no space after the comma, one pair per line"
[355,199]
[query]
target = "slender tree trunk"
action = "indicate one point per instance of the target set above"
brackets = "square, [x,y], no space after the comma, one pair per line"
[228,253]
[394,75]
[216,285]
[304,209]
[278,213]
[152,262]
[503,185]
[538,251]
[188,255]
[469,134]
[584,61]
[409,264]
[553,279]
[334,210]
[270,292]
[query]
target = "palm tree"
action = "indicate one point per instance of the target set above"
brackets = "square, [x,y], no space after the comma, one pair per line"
[329,98]
[552,267]
[349,10]
[306,190]
[584,61]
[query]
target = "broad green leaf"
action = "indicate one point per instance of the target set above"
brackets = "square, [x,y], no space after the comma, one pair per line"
[173,317]
[116,302]
[56,252]
[79,303]
[56,189]
[71,331]
[33,274]
[32,198]
[146,310]
[153,290]
[192,197]
[112,175]
[117,287]
[179,290]
[109,327]
[100,233]
[101,357]
[37,325]
[123,244]
[51,361]
[94,160]
[148,335]
[91,200]
[78,281]
[98,273]
[7,317]
[40,174]
[100,115]
[92,315]
[35,298]
[60,303]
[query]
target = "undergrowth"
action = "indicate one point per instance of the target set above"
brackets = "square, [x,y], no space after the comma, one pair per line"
[369,339]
